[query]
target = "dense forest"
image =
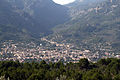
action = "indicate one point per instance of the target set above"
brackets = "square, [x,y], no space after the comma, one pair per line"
[104,69]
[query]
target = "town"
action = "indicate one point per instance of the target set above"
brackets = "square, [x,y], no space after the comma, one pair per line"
[50,52]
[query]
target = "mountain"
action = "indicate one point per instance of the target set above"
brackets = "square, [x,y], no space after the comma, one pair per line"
[30,17]
[98,24]
[78,7]
[84,23]
[43,11]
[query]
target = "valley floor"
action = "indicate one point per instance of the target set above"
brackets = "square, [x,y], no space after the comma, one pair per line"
[49,51]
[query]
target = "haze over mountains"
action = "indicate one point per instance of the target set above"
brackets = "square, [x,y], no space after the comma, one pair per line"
[29,17]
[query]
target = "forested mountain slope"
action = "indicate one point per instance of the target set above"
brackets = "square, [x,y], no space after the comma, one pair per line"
[29,17]
[98,23]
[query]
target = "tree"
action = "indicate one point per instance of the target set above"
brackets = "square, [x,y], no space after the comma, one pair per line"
[117,77]
[93,75]
[84,63]
[3,78]
[34,77]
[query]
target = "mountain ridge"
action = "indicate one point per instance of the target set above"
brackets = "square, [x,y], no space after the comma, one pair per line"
[31,16]
[97,24]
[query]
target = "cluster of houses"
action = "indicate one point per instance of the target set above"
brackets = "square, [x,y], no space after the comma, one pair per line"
[61,52]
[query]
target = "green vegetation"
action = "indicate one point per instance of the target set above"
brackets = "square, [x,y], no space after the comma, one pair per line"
[104,69]
[26,19]
[99,23]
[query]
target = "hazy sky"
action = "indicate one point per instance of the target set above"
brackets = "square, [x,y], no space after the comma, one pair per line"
[63,1]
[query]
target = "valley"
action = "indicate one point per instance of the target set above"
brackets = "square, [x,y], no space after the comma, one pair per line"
[43,30]
[51,51]
[43,40]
